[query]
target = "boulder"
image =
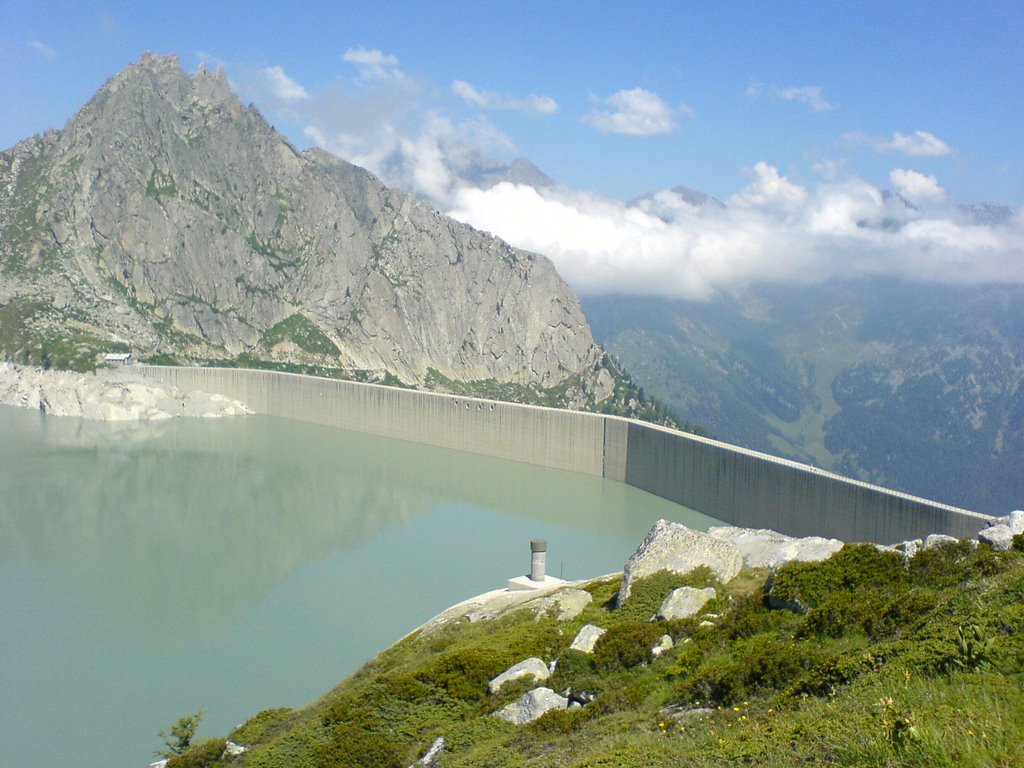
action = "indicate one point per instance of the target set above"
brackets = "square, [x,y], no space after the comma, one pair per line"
[676,548]
[935,540]
[684,602]
[762,548]
[530,667]
[1016,521]
[665,644]
[586,638]
[999,536]
[532,705]
[569,602]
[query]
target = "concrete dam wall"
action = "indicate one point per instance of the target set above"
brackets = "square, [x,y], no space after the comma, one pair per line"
[732,484]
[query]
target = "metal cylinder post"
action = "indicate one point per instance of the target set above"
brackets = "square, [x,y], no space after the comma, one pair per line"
[538,559]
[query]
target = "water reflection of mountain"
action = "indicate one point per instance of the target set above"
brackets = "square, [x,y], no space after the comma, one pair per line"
[187,523]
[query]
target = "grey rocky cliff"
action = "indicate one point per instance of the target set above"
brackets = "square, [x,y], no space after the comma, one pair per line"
[169,216]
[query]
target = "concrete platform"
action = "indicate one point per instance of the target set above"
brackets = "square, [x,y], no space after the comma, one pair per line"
[525,583]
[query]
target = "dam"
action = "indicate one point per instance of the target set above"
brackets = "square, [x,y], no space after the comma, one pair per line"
[730,483]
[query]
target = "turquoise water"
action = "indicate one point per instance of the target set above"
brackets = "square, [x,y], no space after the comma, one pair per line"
[150,570]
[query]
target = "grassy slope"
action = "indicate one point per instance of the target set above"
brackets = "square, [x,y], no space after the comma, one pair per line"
[893,663]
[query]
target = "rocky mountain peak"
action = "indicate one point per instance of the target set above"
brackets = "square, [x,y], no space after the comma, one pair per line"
[169,218]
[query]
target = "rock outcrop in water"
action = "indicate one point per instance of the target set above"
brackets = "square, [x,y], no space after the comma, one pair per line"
[168,217]
[107,395]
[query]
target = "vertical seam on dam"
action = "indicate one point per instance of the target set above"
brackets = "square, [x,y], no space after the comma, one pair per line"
[724,481]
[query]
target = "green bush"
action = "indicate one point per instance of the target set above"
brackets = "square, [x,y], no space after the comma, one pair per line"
[853,567]
[352,746]
[647,594]
[465,673]
[833,672]
[758,667]
[956,563]
[205,754]
[407,688]
[256,728]
[686,660]
[899,615]
[749,615]
[627,644]
[973,648]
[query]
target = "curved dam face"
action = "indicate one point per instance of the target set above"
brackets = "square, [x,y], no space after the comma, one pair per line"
[733,484]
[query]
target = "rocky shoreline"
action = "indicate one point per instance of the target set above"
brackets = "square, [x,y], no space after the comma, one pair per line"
[109,394]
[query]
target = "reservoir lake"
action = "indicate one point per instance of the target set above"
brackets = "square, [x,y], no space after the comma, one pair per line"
[149,570]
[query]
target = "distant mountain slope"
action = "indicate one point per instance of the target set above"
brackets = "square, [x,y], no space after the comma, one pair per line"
[168,218]
[913,386]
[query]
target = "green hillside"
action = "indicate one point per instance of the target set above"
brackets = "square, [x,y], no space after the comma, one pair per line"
[890,662]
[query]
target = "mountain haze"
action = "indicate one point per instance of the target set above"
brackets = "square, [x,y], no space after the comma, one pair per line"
[914,386]
[168,218]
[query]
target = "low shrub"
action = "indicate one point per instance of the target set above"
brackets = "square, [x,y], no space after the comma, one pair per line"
[855,566]
[256,728]
[464,674]
[758,667]
[647,594]
[627,644]
[686,660]
[407,688]
[834,672]
[205,754]
[749,615]
[899,615]
[351,746]
[957,562]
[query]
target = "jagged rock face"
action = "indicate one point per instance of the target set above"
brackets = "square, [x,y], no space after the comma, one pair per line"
[172,216]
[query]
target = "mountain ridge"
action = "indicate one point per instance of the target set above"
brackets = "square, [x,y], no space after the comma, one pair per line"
[168,217]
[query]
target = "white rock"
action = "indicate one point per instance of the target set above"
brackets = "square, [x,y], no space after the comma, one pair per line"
[529,667]
[586,638]
[429,758]
[107,395]
[999,536]
[934,540]
[664,644]
[233,750]
[763,548]
[676,548]
[684,602]
[532,705]
[1016,521]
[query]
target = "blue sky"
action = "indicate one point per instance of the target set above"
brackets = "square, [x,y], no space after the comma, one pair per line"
[775,108]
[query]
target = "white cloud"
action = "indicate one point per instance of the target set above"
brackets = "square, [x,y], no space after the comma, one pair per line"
[773,229]
[828,168]
[916,144]
[42,49]
[811,95]
[374,64]
[531,105]
[769,190]
[283,87]
[919,144]
[839,229]
[916,187]
[635,112]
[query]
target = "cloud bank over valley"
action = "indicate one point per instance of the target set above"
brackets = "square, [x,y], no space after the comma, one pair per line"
[773,228]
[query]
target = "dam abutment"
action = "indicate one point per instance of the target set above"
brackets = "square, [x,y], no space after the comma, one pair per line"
[732,484]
